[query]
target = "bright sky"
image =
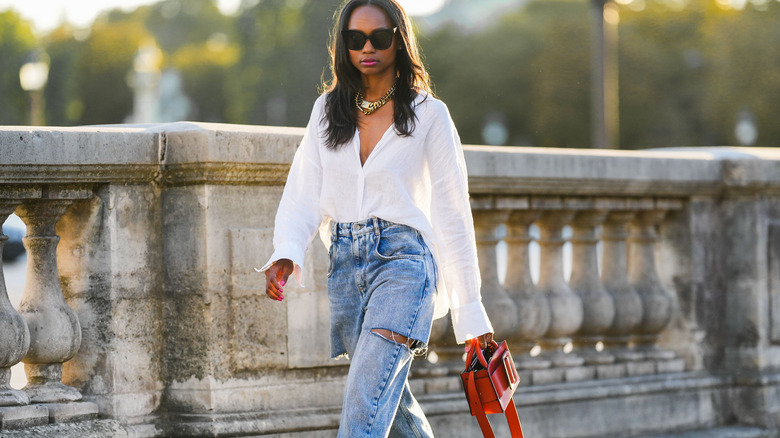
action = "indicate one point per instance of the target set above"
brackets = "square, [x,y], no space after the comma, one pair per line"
[47,14]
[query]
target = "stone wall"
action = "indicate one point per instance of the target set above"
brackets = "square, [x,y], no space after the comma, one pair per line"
[144,302]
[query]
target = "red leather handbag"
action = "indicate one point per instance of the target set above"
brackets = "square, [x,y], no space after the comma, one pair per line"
[490,381]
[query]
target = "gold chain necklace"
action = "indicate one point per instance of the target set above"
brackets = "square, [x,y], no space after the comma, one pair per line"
[368,108]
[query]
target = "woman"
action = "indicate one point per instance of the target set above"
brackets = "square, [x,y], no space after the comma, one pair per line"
[381,171]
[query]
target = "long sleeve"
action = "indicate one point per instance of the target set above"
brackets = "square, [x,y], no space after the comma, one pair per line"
[299,215]
[454,228]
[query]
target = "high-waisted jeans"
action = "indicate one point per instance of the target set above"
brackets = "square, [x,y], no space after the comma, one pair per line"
[382,276]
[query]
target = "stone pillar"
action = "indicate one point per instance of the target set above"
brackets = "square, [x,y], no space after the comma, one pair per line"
[444,354]
[565,305]
[14,335]
[598,305]
[533,310]
[642,273]
[500,308]
[614,277]
[55,333]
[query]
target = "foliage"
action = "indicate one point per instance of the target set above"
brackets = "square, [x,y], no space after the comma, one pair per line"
[104,63]
[285,55]
[559,74]
[203,68]
[530,71]
[198,41]
[743,72]
[686,74]
[179,23]
[16,40]
[687,68]
[64,105]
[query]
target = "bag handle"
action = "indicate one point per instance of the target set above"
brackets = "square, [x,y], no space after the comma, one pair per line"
[474,348]
[469,353]
[481,352]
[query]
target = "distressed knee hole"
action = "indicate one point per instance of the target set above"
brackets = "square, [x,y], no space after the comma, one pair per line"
[417,347]
[392,336]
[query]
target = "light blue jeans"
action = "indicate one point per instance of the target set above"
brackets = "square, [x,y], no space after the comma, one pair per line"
[381,276]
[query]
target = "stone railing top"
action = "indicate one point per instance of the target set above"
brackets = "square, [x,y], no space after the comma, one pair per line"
[44,155]
[188,142]
[84,145]
[177,153]
[669,172]
[193,153]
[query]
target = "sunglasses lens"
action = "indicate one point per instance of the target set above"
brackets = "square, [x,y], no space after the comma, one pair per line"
[382,39]
[354,40]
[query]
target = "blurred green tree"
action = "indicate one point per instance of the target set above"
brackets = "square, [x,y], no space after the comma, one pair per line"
[742,53]
[661,65]
[530,71]
[64,105]
[284,59]
[688,68]
[179,23]
[16,40]
[200,42]
[204,69]
[560,73]
[104,63]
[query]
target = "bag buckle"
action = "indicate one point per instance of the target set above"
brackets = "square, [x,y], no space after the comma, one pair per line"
[509,369]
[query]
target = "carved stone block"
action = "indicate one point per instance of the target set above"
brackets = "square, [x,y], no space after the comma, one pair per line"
[18,417]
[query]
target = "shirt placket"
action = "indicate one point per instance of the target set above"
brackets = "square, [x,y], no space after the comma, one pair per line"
[361,182]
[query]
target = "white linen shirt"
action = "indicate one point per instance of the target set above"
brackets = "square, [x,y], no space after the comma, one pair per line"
[419,181]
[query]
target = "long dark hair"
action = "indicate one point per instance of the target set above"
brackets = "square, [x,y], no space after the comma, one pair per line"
[340,111]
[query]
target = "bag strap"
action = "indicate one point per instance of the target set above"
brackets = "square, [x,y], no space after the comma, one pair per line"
[484,424]
[515,429]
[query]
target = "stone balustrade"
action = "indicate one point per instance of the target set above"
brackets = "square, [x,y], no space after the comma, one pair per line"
[142,314]
[586,327]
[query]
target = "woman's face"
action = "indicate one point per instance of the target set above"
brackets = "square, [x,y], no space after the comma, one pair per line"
[369,60]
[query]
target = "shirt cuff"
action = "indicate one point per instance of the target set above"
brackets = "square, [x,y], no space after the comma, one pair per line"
[288,251]
[470,321]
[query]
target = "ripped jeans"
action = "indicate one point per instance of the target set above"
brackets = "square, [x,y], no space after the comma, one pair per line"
[381,288]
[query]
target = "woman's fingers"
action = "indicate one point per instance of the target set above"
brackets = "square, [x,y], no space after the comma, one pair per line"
[276,277]
[273,288]
[485,340]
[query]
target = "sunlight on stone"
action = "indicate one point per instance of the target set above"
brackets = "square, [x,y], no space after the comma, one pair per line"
[18,378]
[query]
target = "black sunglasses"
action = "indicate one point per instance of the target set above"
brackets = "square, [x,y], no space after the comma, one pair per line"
[381,39]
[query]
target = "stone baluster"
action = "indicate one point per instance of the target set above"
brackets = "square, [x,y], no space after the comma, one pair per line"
[14,335]
[55,333]
[598,305]
[565,305]
[444,354]
[643,275]
[499,306]
[614,277]
[533,310]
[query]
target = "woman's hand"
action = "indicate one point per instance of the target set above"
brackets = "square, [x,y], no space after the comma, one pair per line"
[276,277]
[485,340]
